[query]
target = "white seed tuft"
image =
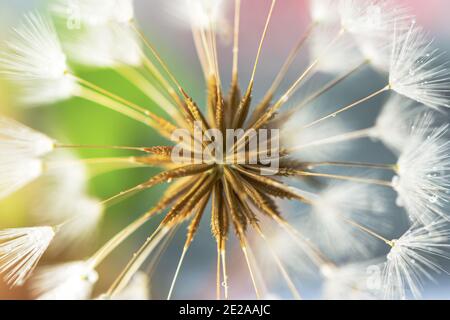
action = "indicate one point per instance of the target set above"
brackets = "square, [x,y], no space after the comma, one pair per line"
[18,141]
[416,71]
[393,125]
[104,40]
[94,13]
[68,281]
[21,250]
[423,170]
[412,259]
[36,61]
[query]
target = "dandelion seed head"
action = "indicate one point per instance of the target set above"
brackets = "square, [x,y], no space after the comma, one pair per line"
[423,168]
[370,18]
[327,223]
[393,125]
[21,250]
[18,141]
[348,282]
[324,11]
[16,173]
[95,13]
[68,281]
[342,57]
[410,260]
[103,41]
[415,69]
[36,61]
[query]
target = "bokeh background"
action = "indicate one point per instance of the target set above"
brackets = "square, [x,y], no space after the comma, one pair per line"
[77,121]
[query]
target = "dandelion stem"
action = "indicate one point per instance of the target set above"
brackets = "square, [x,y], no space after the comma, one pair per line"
[155,54]
[164,127]
[280,265]
[151,92]
[369,231]
[80,146]
[285,97]
[346,178]
[250,269]
[223,256]
[237,15]
[315,254]
[261,43]
[137,260]
[172,286]
[218,274]
[364,133]
[390,167]
[320,92]
[350,106]
[285,68]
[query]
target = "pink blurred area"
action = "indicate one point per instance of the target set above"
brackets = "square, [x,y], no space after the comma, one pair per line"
[433,14]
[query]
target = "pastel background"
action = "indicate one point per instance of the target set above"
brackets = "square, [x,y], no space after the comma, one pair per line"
[76,121]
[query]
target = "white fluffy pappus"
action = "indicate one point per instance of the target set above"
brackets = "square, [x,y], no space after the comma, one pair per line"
[94,13]
[200,14]
[328,222]
[20,251]
[393,124]
[311,141]
[324,11]
[340,57]
[83,215]
[372,23]
[18,140]
[17,173]
[370,18]
[422,180]
[62,199]
[412,260]
[354,281]
[416,70]
[36,62]
[20,149]
[137,289]
[67,281]
[113,44]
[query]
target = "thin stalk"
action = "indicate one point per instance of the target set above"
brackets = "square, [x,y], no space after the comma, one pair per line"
[350,106]
[348,136]
[138,259]
[330,85]
[382,183]
[390,167]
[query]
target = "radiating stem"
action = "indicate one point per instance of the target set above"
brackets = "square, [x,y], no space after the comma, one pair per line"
[382,183]
[285,68]
[390,167]
[369,231]
[280,265]
[237,15]
[180,262]
[348,136]
[80,146]
[350,106]
[152,92]
[320,92]
[138,259]
[223,257]
[250,269]
[155,54]
[261,43]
